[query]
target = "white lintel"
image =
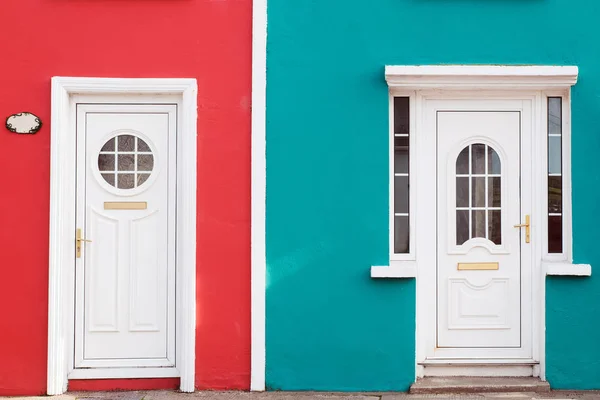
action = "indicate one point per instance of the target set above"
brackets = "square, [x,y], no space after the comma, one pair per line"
[480,76]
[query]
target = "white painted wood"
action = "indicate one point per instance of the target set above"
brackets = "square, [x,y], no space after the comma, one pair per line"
[567,269]
[125,281]
[479,370]
[397,269]
[124,373]
[62,215]
[480,309]
[480,76]
[258,195]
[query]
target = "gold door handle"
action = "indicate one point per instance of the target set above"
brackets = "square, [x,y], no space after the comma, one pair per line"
[527,226]
[78,241]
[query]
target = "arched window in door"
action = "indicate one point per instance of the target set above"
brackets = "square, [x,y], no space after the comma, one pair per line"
[478,194]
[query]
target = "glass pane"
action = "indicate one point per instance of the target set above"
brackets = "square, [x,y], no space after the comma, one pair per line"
[462,226]
[478,222]
[125,181]
[126,143]
[554,155]
[106,162]
[401,114]
[494,194]
[555,194]
[401,235]
[110,178]
[554,115]
[401,155]
[462,191]
[495,226]
[401,194]
[478,189]
[145,162]
[493,161]
[109,146]
[462,162]
[126,162]
[141,178]
[478,166]
[555,234]
[143,146]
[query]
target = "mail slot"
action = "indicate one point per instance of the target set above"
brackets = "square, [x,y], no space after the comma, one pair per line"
[125,205]
[488,266]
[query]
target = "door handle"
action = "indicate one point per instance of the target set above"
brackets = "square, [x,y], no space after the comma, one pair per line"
[78,241]
[527,226]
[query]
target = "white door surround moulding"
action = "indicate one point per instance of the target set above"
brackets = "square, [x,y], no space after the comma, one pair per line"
[62,216]
[480,76]
[258,193]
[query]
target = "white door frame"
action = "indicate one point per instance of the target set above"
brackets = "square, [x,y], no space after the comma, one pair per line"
[477,82]
[62,218]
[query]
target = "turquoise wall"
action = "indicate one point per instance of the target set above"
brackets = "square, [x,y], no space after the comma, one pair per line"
[329,325]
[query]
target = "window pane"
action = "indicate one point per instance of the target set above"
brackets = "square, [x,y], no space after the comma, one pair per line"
[125,181]
[126,143]
[462,226]
[401,115]
[401,194]
[106,162]
[401,235]
[478,192]
[462,191]
[109,146]
[554,155]
[126,162]
[478,162]
[462,162]
[555,234]
[493,161]
[401,154]
[494,192]
[478,222]
[495,226]
[554,115]
[555,194]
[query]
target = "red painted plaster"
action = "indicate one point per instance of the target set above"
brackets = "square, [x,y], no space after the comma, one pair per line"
[204,39]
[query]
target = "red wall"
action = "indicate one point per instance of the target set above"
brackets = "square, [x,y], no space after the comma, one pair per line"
[204,39]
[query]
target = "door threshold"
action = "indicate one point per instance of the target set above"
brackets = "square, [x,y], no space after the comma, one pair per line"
[437,385]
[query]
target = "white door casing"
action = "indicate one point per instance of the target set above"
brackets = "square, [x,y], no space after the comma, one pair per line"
[66,94]
[125,277]
[480,185]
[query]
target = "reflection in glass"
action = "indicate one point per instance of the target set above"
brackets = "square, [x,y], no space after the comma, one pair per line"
[462,191]
[478,220]
[106,162]
[495,226]
[555,237]
[401,194]
[109,146]
[126,162]
[554,155]
[125,181]
[555,208]
[145,162]
[493,162]
[401,114]
[478,159]
[462,162]
[126,143]
[143,146]
[494,194]
[555,194]
[478,192]
[462,226]
[401,234]
[401,155]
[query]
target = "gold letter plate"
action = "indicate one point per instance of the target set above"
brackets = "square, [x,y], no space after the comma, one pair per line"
[125,205]
[477,266]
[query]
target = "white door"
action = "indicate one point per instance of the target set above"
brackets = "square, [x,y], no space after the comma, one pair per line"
[483,190]
[125,272]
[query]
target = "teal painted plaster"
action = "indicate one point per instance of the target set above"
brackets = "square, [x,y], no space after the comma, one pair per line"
[329,325]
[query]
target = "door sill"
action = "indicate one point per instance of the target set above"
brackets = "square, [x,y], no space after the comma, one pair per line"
[479,369]
[478,361]
[118,373]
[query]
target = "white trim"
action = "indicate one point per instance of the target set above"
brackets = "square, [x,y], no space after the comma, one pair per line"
[398,269]
[62,218]
[258,193]
[567,269]
[119,373]
[480,76]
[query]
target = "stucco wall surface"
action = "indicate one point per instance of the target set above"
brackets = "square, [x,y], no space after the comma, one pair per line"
[329,326]
[203,39]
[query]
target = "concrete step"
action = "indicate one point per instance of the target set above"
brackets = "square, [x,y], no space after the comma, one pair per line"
[460,384]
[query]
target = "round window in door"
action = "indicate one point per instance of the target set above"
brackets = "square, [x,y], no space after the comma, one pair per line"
[478,194]
[126,161]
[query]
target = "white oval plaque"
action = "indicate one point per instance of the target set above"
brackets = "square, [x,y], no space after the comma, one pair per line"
[24,122]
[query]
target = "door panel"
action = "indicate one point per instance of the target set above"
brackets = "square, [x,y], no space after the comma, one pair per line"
[479,251]
[125,286]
